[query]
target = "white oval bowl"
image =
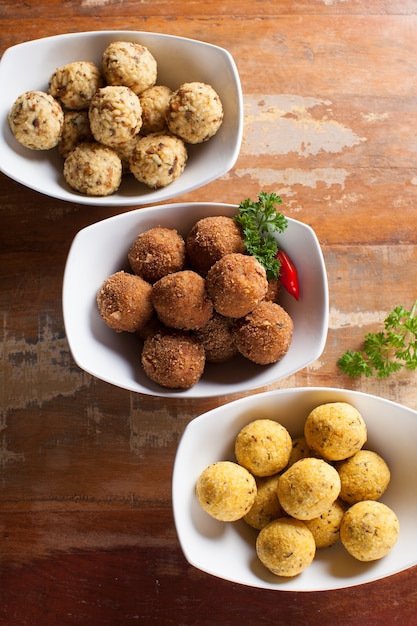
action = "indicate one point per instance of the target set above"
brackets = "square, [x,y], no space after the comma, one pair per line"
[101,249]
[179,60]
[227,550]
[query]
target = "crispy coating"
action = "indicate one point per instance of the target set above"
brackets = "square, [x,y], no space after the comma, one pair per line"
[211,238]
[158,160]
[36,120]
[173,359]
[266,506]
[264,335]
[263,446]
[115,115]
[181,301]
[75,130]
[326,527]
[157,252]
[155,104]
[286,546]
[226,491]
[216,338]
[274,290]
[308,488]
[124,302]
[369,530]
[236,283]
[93,169]
[335,430]
[363,476]
[195,112]
[75,84]
[130,64]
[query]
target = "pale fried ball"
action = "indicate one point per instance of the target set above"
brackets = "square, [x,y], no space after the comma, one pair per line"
[266,506]
[75,130]
[124,302]
[129,63]
[369,530]
[308,488]
[236,283]
[115,115]
[263,446]
[363,476]
[36,120]
[158,159]
[226,491]
[335,430]
[75,84]
[326,527]
[211,238]
[155,103]
[93,169]
[286,546]
[300,450]
[195,112]
[156,252]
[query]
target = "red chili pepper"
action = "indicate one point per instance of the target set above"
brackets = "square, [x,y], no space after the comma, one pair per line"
[288,276]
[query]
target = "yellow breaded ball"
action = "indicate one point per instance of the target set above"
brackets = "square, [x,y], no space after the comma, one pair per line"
[263,446]
[326,527]
[266,506]
[363,476]
[286,546]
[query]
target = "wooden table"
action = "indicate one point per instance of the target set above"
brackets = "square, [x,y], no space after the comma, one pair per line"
[86,526]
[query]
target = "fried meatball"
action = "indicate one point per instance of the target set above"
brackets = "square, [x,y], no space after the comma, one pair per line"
[364,476]
[308,488]
[157,252]
[174,360]
[211,238]
[130,64]
[286,546]
[155,103]
[158,160]
[369,530]
[236,283]
[75,84]
[274,290]
[266,506]
[263,446]
[75,130]
[36,120]
[115,115]
[195,112]
[216,338]
[181,301]
[93,169]
[264,335]
[335,430]
[226,491]
[326,527]
[124,302]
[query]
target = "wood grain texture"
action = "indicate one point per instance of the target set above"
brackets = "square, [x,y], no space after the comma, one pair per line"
[86,528]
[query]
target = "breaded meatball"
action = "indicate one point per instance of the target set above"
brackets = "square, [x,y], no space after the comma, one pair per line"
[195,112]
[335,430]
[158,160]
[155,103]
[226,491]
[36,120]
[124,302]
[115,115]
[181,301]
[369,530]
[264,335]
[174,360]
[308,488]
[364,476]
[211,238]
[326,527]
[93,169]
[274,290]
[266,506]
[263,446]
[75,130]
[130,64]
[236,283]
[157,252]
[286,546]
[216,338]
[75,84]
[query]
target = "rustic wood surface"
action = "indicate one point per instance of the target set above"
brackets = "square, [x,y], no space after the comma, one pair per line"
[86,526]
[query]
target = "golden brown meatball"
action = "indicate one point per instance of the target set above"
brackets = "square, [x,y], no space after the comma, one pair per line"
[236,283]
[157,252]
[211,238]
[264,335]
[173,360]
[364,476]
[216,338]
[263,446]
[181,301]
[124,302]
[286,546]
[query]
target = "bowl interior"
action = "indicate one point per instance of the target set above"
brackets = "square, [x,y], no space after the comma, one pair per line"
[114,357]
[227,550]
[179,60]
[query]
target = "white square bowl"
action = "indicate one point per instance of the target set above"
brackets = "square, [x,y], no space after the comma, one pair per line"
[28,66]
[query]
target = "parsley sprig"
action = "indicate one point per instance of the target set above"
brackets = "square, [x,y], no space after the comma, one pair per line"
[259,220]
[387,351]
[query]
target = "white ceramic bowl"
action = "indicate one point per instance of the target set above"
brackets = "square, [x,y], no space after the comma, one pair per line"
[29,66]
[228,550]
[101,249]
